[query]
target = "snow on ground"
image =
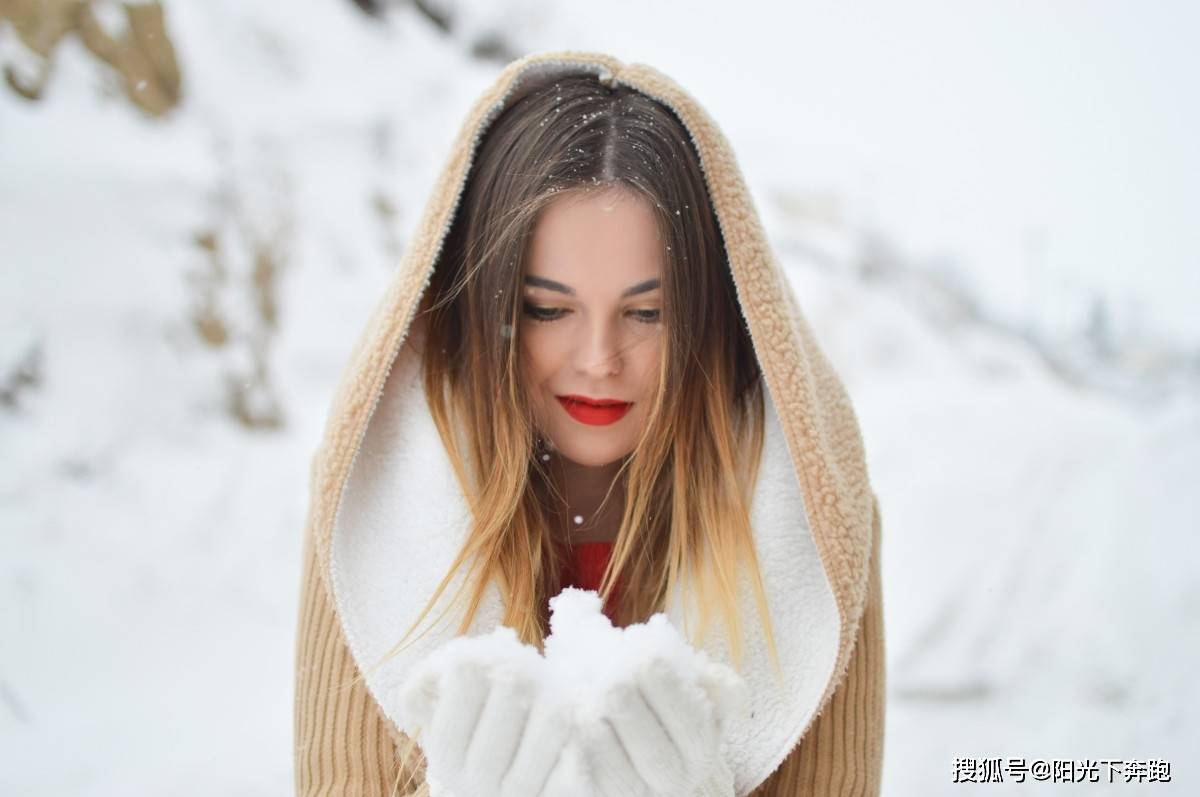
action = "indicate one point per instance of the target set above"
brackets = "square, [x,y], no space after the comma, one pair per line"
[1039,556]
[1039,548]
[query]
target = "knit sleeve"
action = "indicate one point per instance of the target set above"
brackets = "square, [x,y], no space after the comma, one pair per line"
[344,744]
[841,755]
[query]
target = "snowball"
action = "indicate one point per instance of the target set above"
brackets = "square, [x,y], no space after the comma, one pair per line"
[588,657]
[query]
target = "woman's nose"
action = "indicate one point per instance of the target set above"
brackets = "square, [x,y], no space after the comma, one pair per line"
[598,354]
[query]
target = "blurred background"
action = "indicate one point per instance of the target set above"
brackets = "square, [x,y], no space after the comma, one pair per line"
[987,211]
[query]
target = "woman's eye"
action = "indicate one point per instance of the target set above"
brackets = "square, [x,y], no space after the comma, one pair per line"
[539,313]
[647,316]
[542,313]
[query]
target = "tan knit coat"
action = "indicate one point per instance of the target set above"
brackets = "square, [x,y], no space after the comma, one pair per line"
[822,735]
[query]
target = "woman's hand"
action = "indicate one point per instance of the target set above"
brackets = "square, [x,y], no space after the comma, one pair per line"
[632,712]
[660,734]
[484,724]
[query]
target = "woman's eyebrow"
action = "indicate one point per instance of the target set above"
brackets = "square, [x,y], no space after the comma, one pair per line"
[542,282]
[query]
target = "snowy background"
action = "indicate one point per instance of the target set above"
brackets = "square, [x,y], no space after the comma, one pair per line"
[988,215]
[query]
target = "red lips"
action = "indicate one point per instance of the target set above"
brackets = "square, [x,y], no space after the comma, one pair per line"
[595,412]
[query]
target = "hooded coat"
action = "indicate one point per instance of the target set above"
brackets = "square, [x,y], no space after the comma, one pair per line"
[386,515]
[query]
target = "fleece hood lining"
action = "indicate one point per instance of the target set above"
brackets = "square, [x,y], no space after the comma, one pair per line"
[403,520]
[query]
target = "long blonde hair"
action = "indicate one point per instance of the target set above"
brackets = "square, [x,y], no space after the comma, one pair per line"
[686,518]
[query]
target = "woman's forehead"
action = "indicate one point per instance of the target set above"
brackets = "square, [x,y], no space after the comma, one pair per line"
[596,241]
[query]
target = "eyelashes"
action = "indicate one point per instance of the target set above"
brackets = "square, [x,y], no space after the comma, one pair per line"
[542,313]
[545,314]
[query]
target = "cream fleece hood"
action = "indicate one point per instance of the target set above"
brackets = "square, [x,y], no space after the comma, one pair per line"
[386,515]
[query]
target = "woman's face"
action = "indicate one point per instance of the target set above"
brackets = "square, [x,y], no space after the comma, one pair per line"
[591,324]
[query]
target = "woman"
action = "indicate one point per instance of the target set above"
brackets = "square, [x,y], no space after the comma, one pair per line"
[591,242]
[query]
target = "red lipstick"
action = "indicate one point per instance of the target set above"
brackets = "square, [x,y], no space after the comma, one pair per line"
[595,412]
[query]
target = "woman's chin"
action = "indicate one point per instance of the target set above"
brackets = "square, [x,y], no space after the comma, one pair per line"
[590,457]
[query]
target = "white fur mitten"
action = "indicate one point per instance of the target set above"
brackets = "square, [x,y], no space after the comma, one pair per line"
[608,712]
[479,711]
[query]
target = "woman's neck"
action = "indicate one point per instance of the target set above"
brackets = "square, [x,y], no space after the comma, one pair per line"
[584,488]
